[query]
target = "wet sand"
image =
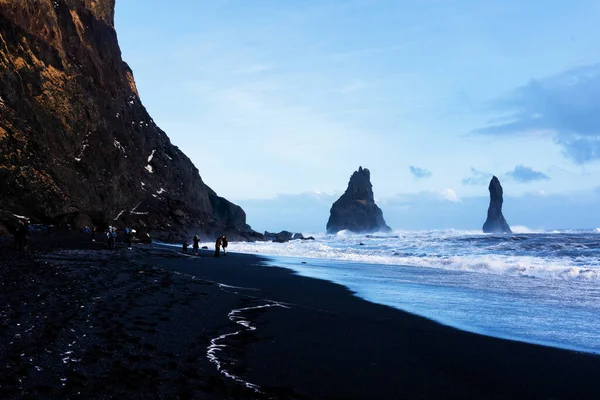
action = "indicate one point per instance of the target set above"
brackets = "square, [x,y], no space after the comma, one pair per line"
[85,322]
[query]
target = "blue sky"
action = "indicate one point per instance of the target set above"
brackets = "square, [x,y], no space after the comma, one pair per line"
[285,99]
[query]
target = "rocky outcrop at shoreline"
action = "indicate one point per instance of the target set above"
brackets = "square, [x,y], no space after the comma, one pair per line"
[356,210]
[285,236]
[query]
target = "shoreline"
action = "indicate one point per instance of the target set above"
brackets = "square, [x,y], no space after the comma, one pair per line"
[155,314]
[289,262]
[513,368]
[272,261]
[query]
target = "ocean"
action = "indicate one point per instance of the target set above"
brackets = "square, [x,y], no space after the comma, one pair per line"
[536,287]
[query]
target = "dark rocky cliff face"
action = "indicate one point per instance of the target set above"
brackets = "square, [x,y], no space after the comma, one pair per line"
[356,210]
[495,222]
[76,143]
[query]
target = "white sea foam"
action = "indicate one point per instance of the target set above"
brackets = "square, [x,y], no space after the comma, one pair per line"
[523,229]
[514,255]
[216,346]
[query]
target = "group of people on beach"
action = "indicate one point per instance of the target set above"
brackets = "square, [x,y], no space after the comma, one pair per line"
[21,237]
[221,242]
[111,236]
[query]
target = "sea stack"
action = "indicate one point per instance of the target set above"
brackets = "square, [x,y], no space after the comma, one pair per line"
[76,143]
[356,210]
[495,222]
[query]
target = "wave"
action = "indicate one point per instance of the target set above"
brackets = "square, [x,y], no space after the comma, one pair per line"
[524,229]
[415,254]
[533,267]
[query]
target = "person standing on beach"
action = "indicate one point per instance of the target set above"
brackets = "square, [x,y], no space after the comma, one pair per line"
[111,236]
[19,235]
[26,234]
[218,244]
[196,244]
[128,237]
[224,243]
[93,233]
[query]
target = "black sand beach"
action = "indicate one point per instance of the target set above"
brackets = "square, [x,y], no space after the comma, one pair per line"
[79,321]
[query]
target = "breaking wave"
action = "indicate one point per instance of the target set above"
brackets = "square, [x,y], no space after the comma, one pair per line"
[528,253]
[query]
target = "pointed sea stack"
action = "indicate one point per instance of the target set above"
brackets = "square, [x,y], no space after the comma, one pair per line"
[495,222]
[356,210]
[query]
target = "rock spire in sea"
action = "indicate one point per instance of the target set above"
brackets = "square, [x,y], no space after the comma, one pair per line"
[356,210]
[495,222]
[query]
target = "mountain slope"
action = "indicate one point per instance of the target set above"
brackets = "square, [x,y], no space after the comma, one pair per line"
[75,140]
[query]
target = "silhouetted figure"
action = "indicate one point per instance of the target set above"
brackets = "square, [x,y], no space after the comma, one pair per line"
[224,243]
[26,234]
[68,229]
[184,247]
[111,235]
[196,244]
[16,236]
[128,237]
[93,233]
[218,246]
[19,235]
[49,230]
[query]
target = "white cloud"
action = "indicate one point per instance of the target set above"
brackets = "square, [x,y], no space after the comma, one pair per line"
[450,195]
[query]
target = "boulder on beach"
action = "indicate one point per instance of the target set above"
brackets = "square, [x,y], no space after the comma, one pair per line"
[356,210]
[495,222]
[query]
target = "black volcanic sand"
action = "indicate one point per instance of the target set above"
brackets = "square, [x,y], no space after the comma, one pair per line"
[84,322]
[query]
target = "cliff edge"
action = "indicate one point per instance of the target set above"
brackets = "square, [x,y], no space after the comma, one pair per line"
[76,143]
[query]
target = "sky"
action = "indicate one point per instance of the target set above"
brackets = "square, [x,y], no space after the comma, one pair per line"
[278,102]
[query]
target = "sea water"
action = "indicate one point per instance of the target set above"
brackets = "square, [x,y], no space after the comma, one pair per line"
[537,287]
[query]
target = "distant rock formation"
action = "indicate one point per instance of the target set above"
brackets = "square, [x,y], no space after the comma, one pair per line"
[285,236]
[302,237]
[495,222]
[76,143]
[356,210]
[281,237]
